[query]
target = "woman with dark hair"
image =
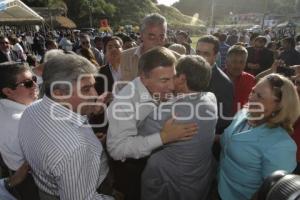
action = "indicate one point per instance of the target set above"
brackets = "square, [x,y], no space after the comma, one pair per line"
[111,71]
[108,75]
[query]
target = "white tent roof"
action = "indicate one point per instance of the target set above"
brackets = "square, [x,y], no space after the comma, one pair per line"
[17,11]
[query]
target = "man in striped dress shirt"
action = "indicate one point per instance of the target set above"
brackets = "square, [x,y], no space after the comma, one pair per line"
[67,160]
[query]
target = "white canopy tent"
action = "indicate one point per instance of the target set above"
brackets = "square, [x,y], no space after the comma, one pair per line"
[16,12]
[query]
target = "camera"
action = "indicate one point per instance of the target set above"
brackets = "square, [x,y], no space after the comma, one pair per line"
[280,185]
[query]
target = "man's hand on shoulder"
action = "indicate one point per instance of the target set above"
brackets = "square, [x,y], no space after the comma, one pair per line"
[173,131]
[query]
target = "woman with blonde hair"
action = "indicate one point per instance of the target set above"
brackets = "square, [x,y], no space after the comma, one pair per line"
[258,140]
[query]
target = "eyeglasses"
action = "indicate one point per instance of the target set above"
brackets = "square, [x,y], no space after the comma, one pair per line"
[27,83]
[276,83]
[4,42]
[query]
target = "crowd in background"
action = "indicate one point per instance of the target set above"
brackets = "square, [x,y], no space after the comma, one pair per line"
[248,82]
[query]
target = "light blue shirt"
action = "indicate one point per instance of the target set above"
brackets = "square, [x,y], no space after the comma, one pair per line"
[249,156]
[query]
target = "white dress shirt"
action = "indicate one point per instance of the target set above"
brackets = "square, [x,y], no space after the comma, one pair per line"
[66,158]
[4,194]
[128,109]
[10,115]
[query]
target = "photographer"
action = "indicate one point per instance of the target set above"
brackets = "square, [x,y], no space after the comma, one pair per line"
[289,54]
[279,67]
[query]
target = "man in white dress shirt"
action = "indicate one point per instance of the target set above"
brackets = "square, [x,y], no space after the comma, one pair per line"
[130,107]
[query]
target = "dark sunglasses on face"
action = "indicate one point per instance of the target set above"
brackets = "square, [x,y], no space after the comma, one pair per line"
[27,83]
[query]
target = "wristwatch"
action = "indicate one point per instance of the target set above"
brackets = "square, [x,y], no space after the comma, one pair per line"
[7,185]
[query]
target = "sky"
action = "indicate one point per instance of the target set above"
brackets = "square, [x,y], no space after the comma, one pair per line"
[167,2]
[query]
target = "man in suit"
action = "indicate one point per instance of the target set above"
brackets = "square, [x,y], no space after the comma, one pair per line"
[6,53]
[220,84]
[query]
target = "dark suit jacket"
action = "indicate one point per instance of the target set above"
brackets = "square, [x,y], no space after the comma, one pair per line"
[222,87]
[265,60]
[290,57]
[103,84]
[3,58]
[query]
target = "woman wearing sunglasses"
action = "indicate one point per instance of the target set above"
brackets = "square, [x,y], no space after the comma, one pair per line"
[18,89]
[257,142]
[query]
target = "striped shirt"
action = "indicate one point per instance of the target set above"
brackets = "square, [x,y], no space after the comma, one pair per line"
[66,158]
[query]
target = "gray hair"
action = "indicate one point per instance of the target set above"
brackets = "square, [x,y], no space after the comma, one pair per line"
[178,48]
[52,54]
[196,70]
[63,69]
[153,19]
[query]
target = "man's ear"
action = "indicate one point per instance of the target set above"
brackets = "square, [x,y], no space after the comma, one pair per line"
[7,91]
[182,78]
[143,78]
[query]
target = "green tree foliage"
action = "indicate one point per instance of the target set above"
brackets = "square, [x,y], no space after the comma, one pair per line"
[224,7]
[36,3]
[131,11]
[80,10]
[118,12]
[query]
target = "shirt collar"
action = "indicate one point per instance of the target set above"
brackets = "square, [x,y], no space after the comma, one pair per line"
[143,91]
[138,51]
[13,104]
[62,113]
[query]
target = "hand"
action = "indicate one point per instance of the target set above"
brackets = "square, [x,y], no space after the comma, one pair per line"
[173,131]
[101,137]
[276,64]
[20,175]
[102,100]
[105,97]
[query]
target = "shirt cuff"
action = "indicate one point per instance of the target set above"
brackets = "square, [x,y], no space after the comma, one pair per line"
[154,141]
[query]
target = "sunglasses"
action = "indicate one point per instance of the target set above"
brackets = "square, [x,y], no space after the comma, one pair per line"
[27,83]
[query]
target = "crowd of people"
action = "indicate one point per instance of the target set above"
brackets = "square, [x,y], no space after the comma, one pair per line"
[146,116]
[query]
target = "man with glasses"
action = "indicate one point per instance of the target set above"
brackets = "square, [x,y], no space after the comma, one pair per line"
[85,42]
[6,53]
[18,89]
